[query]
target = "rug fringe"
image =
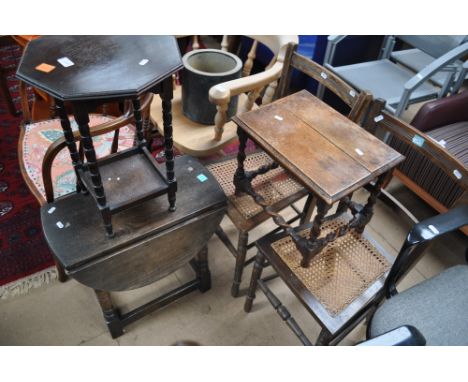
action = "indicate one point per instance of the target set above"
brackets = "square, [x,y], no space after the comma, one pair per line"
[25,284]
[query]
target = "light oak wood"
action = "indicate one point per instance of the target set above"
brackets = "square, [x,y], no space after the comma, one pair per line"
[201,140]
[190,137]
[250,59]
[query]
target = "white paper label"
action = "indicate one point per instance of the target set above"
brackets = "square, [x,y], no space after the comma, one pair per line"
[278,118]
[143,62]
[457,174]
[442,143]
[359,151]
[324,75]
[51,210]
[378,118]
[65,62]
[59,224]
[433,229]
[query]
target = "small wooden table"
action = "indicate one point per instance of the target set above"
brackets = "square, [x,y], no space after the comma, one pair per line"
[88,71]
[150,241]
[331,265]
[325,151]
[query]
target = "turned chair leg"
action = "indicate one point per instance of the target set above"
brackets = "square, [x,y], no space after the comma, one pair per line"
[256,274]
[240,262]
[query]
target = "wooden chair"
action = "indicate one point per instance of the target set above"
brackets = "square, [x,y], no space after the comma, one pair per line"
[202,140]
[278,189]
[345,282]
[444,121]
[45,163]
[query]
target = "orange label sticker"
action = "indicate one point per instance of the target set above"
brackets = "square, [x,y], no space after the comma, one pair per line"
[46,68]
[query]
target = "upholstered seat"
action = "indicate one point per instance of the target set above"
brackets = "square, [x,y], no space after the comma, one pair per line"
[437,307]
[37,138]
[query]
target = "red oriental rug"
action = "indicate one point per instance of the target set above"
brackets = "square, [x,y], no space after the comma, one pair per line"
[25,259]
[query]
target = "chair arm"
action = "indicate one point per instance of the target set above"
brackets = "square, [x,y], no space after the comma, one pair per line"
[221,94]
[442,112]
[333,41]
[402,336]
[336,39]
[436,65]
[438,225]
[418,238]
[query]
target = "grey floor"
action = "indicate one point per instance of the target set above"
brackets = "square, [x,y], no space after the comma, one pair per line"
[68,313]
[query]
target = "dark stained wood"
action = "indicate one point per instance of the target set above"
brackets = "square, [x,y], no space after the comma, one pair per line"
[318,145]
[150,241]
[334,324]
[119,56]
[100,69]
[166,96]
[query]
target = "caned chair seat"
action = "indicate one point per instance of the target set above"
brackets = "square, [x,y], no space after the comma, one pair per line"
[339,281]
[437,307]
[37,138]
[275,186]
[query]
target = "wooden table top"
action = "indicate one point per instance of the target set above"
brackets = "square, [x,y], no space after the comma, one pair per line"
[82,239]
[77,68]
[331,155]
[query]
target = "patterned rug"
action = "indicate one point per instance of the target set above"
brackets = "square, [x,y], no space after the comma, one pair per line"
[25,260]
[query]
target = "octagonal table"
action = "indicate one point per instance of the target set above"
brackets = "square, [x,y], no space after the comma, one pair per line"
[91,70]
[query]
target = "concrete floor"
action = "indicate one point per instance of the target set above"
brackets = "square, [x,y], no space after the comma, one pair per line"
[68,313]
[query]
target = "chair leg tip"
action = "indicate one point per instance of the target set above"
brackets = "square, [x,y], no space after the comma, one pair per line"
[235,290]
[248,306]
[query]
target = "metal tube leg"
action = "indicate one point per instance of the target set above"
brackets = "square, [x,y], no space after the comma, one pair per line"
[240,260]
[111,314]
[256,274]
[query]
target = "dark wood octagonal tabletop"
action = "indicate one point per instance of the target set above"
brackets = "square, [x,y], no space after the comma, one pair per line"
[79,68]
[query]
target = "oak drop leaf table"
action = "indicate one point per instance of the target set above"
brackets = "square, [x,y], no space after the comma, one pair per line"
[332,157]
[150,242]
